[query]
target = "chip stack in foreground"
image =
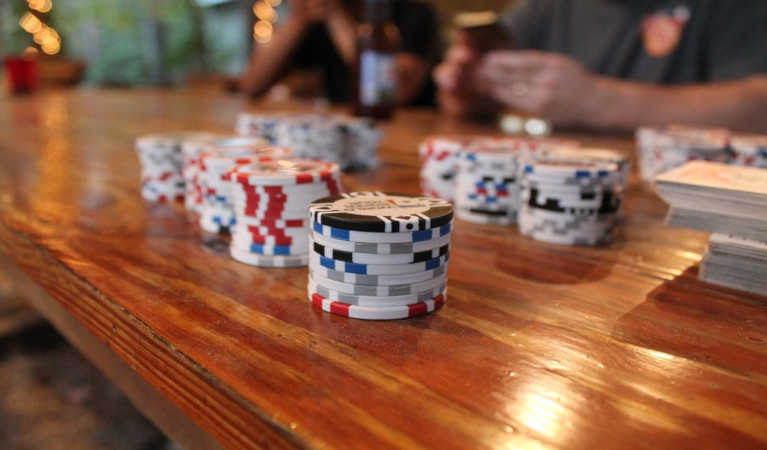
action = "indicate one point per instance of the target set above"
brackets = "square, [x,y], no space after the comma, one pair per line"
[271,203]
[566,202]
[217,213]
[349,142]
[161,165]
[749,150]
[662,149]
[379,256]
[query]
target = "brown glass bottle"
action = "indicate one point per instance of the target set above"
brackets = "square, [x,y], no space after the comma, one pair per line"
[375,84]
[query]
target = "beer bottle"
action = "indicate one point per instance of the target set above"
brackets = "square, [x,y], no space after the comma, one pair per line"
[377,42]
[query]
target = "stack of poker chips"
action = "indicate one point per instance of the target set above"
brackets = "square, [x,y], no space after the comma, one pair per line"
[439,165]
[191,150]
[352,143]
[217,211]
[379,256]
[486,188]
[271,201]
[161,165]
[662,149]
[749,150]
[569,202]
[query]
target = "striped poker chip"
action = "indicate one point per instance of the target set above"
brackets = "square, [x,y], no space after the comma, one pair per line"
[284,172]
[381,248]
[364,236]
[372,300]
[378,280]
[377,291]
[478,216]
[273,223]
[380,212]
[559,169]
[318,260]
[253,259]
[377,313]
[248,239]
[368,258]
[266,249]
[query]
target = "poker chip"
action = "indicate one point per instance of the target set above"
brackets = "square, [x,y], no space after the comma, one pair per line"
[597,155]
[374,255]
[382,248]
[749,150]
[378,280]
[350,142]
[378,313]
[215,160]
[161,159]
[374,300]
[246,257]
[316,259]
[369,258]
[664,148]
[380,291]
[364,236]
[381,213]
[270,200]
[570,201]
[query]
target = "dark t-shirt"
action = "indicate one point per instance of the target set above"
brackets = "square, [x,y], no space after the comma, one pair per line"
[419,34]
[665,41]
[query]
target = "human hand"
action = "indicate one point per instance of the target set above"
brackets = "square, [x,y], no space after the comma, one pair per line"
[454,77]
[545,84]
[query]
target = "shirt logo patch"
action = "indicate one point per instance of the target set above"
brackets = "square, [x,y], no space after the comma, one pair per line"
[662,30]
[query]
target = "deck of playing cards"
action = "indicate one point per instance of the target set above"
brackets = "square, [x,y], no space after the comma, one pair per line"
[730,201]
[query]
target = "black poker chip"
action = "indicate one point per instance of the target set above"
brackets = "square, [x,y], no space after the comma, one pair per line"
[381,212]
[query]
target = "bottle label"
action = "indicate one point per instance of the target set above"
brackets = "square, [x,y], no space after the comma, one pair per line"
[377,82]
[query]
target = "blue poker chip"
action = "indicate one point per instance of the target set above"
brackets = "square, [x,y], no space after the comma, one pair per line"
[317,260]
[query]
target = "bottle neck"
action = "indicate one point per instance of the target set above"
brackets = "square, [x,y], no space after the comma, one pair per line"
[377,12]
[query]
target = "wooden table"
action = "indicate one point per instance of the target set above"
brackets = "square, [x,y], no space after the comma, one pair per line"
[538,346]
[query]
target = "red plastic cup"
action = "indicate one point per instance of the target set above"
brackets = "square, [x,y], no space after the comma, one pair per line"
[22,74]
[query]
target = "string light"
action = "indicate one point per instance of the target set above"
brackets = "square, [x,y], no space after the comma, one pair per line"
[46,37]
[267,16]
[42,6]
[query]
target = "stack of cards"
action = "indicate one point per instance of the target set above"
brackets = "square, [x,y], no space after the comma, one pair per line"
[730,201]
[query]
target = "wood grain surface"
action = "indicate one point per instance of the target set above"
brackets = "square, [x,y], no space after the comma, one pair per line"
[538,345]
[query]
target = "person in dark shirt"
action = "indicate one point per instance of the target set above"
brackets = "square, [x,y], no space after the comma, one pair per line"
[618,64]
[320,36]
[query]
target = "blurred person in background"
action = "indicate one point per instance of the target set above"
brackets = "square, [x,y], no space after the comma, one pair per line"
[319,37]
[616,64]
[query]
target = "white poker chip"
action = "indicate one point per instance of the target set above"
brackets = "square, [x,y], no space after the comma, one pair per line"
[378,291]
[377,313]
[253,259]
[376,269]
[372,300]
[284,172]
[381,248]
[378,280]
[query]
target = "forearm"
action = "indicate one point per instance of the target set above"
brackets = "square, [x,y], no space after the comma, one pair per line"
[343,32]
[268,60]
[741,105]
